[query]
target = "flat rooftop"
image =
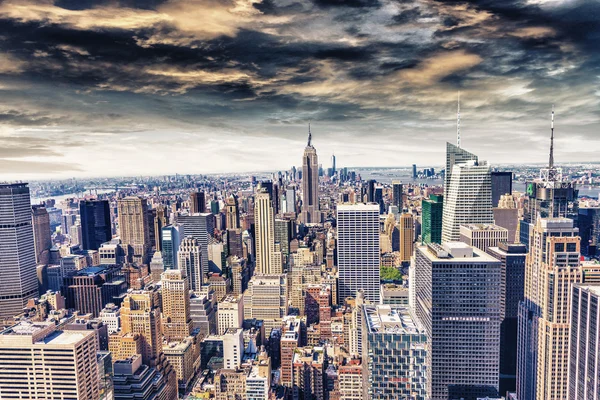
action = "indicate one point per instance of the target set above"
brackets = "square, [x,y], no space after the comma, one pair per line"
[388,319]
[595,289]
[43,333]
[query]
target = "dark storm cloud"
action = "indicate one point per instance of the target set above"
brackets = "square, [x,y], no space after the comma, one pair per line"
[348,3]
[126,67]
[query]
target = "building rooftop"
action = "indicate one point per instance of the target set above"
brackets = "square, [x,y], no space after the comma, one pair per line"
[595,289]
[387,319]
[455,252]
[358,206]
[42,333]
[483,227]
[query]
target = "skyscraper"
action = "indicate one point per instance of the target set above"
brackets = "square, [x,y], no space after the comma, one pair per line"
[200,226]
[397,194]
[414,171]
[140,313]
[160,221]
[512,256]
[133,228]
[310,184]
[501,185]
[290,199]
[552,267]
[483,236]
[468,200]
[358,250]
[197,203]
[455,155]
[549,196]
[396,349]
[406,226]
[41,233]
[189,260]
[18,279]
[506,215]
[431,219]
[171,238]
[177,323]
[457,291]
[264,220]
[333,165]
[371,191]
[60,364]
[95,223]
[232,212]
[584,362]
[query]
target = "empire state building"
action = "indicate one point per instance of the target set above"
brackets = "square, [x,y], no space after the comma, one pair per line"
[310,184]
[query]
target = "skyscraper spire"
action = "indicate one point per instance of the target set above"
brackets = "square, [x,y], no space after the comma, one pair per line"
[458,122]
[309,134]
[551,161]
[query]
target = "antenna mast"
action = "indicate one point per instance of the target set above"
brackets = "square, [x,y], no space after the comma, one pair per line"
[458,122]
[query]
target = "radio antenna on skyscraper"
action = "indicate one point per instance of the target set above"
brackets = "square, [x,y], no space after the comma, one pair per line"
[551,161]
[309,134]
[458,122]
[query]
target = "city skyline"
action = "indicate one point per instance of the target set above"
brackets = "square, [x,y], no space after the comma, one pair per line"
[85,83]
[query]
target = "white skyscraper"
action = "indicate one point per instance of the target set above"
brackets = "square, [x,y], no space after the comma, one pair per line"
[469,199]
[358,250]
[18,279]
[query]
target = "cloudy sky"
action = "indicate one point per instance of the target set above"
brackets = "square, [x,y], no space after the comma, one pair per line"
[92,87]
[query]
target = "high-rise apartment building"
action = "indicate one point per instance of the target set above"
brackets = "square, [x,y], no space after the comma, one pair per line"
[483,236]
[395,356]
[358,250]
[197,203]
[290,341]
[134,230]
[41,234]
[512,256]
[310,184]
[468,199]
[268,261]
[552,267]
[431,219]
[406,227]
[96,226]
[584,360]
[176,320]
[189,261]
[351,382]
[18,279]
[457,299]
